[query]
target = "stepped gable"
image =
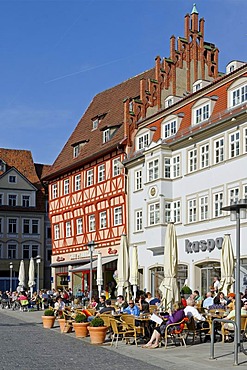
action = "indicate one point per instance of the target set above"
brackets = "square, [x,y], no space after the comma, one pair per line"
[108,107]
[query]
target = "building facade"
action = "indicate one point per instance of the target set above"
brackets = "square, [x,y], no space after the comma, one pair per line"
[24,223]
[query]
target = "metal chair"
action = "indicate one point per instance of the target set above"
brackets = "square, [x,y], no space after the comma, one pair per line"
[175,332]
[129,321]
[119,329]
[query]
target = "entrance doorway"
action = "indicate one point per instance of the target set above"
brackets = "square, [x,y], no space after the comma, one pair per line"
[208,271]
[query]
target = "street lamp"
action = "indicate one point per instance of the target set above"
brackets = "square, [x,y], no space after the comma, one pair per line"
[38,261]
[238,211]
[91,246]
[11,275]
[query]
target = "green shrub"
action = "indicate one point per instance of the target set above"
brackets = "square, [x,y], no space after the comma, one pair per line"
[97,321]
[186,290]
[49,312]
[80,317]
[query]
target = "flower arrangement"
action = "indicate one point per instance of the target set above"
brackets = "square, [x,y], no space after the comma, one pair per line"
[49,312]
[97,321]
[80,317]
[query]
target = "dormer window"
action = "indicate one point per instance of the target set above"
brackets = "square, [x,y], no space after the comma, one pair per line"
[76,151]
[95,123]
[170,125]
[131,106]
[143,141]
[12,179]
[106,135]
[201,114]
[77,147]
[170,128]
[202,110]
[2,166]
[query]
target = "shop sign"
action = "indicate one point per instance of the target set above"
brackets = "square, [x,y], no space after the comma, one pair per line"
[203,245]
[77,256]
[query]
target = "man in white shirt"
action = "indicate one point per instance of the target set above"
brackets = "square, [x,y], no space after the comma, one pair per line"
[190,310]
[209,301]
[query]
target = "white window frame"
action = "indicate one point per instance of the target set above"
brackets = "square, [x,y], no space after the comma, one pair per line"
[218,199]
[234,194]
[153,214]
[1,199]
[54,190]
[106,135]
[219,154]
[56,231]
[192,160]
[170,128]
[153,169]
[118,216]
[25,200]
[138,220]
[101,172]
[176,166]
[79,228]
[177,211]
[78,182]
[203,204]
[168,212]
[12,224]
[91,223]
[201,113]
[245,140]
[116,167]
[95,123]
[102,220]
[138,180]
[68,229]
[192,210]
[12,251]
[12,200]
[204,155]
[167,168]
[12,179]
[66,187]
[234,144]
[90,176]
[143,141]
[76,151]
[239,95]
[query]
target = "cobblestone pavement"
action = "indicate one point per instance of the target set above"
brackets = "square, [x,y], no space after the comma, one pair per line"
[27,346]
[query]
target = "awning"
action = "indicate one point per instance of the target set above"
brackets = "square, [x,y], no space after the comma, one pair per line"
[105,260]
[67,263]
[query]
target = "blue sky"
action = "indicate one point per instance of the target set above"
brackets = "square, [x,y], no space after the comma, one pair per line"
[56,55]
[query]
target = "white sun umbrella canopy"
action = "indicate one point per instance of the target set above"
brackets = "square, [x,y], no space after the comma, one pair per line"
[21,276]
[134,270]
[227,265]
[169,286]
[123,266]
[99,278]
[31,275]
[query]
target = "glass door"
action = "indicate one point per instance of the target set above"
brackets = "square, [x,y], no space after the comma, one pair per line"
[208,271]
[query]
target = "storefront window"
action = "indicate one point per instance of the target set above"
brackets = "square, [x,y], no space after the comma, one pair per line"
[157,275]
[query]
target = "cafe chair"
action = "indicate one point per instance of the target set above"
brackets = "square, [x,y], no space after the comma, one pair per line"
[118,329]
[230,331]
[68,324]
[194,330]
[175,332]
[130,324]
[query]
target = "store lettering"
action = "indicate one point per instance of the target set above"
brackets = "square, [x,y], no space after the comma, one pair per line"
[203,245]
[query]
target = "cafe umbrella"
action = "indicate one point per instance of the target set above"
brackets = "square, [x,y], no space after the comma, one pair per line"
[134,270]
[227,265]
[31,275]
[123,266]
[169,287]
[21,276]
[99,278]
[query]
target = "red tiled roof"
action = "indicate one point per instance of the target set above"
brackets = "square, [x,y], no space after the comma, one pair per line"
[110,103]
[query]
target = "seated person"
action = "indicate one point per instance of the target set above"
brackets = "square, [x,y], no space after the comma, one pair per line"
[208,301]
[101,303]
[176,316]
[148,297]
[231,301]
[155,301]
[59,305]
[231,316]
[107,309]
[121,303]
[132,309]
[216,304]
[143,304]
[200,320]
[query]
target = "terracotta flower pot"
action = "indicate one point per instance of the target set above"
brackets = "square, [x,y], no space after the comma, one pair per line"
[63,327]
[81,329]
[48,321]
[97,334]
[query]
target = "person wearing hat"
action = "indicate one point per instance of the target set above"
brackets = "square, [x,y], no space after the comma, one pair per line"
[231,301]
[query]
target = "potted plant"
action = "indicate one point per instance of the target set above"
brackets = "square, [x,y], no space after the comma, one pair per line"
[186,291]
[80,325]
[97,331]
[48,318]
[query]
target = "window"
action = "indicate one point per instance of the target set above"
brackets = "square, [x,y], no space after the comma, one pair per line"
[26,226]
[106,135]
[118,216]
[219,150]
[48,232]
[95,123]
[218,204]
[54,191]
[0,250]
[12,200]
[25,251]
[204,156]
[34,250]
[35,226]
[102,220]
[153,170]
[192,210]
[154,214]
[25,201]
[68,229]
[239,95]
[91,219]
[143,141]
[170,128]
[192,160]
[56,232]
[201,113]
[101,173]
[176,211]
[176,166]
[66,187]
[203,208]
[12,251]
[77,182]
[89,178]
[29,251]
[1,199]
[115,167]
[1,225]
[245,192]
[76,151]
[233,195]
[245,141]
[138,220]
[138,179]
[12,179]
[167,168]
[168,213]
[12,225]
[234,144]
[79,229]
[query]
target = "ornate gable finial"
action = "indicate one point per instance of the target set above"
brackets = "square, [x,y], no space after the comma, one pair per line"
[194,10]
